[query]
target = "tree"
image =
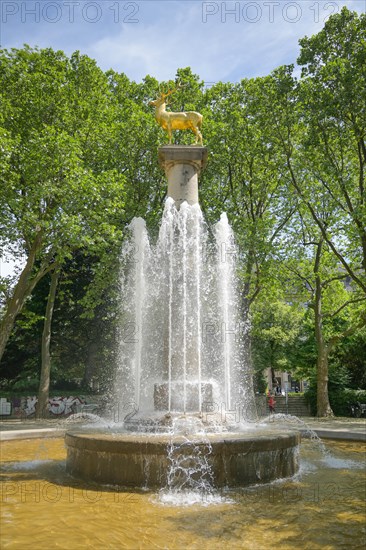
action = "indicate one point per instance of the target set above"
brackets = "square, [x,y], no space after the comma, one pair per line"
[333,152]
[331,161]
[334,304]
[53,199]
[319,123]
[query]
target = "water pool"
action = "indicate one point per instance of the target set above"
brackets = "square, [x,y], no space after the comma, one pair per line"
[323,507]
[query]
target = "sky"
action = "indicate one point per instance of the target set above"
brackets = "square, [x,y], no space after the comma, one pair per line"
[219,40]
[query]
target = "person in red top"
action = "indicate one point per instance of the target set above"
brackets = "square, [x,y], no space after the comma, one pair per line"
[271,403]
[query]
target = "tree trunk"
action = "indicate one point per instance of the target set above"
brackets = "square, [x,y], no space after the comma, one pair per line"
[22,291]
[322,398]
[44,384]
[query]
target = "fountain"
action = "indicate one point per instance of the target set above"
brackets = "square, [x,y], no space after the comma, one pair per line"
[190,419]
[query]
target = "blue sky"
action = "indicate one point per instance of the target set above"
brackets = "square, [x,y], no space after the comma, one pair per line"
[218,40]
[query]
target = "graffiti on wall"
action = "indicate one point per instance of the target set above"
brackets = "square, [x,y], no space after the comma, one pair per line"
[26,406]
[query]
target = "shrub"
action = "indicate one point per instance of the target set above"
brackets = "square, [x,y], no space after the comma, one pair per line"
[340,399]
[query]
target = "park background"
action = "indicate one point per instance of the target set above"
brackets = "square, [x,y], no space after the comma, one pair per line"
[287,159]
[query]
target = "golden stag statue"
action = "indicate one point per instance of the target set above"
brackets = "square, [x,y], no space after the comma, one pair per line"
[189,120]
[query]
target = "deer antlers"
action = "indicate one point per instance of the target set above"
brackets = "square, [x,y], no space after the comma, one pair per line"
[179,86]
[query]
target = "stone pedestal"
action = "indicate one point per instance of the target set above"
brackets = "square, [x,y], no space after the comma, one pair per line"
[182,165]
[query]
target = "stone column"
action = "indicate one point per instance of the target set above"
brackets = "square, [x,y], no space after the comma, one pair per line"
[182,165]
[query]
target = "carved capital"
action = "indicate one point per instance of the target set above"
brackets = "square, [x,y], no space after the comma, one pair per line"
[196,156]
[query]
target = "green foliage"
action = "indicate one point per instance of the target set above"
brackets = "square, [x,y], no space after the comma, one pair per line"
[243,177]
[332,99]
[58,191]
[25,384]
[259,382]
[78,160]
[351,354]
[275,326]
[340,399]
[22,357]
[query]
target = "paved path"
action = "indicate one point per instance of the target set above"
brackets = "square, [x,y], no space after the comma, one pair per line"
[31,429]
[353,429]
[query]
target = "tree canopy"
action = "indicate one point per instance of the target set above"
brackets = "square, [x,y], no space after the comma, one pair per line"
[287,161]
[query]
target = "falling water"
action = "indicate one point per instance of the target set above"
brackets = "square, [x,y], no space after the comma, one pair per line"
[141,246]
[189,467]
[179,321]
[226,253]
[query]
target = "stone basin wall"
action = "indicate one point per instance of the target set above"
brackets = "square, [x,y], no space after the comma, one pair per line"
[145,461]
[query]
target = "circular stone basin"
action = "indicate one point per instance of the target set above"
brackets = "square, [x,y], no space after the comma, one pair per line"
[146,460]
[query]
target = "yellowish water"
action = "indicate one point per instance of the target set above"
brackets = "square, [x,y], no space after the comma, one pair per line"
[42,507]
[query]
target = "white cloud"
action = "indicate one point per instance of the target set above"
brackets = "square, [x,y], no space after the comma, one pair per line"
[218,40]
[227,47]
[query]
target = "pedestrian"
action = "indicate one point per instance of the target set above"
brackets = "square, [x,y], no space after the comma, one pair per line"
[271,404]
